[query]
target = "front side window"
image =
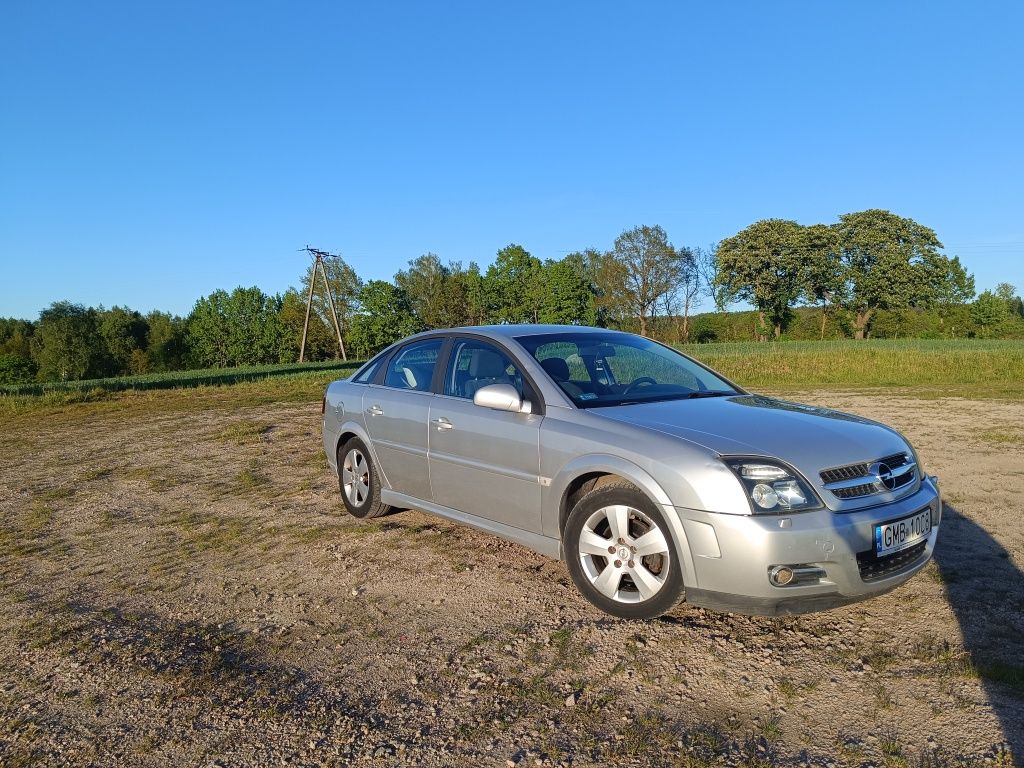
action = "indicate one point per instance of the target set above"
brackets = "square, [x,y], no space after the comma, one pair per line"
[604,369]
[476,364]
[413,366]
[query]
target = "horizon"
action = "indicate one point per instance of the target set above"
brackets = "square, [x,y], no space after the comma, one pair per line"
[137,176]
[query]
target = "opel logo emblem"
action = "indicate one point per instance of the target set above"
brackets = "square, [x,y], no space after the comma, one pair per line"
[882,473]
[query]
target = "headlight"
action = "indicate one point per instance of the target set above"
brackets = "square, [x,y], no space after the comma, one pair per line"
[772,487]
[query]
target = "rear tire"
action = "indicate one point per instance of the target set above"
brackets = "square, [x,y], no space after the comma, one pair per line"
[358,481]
[620,553]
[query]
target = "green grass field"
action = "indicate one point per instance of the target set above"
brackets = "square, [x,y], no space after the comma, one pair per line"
[177,379]
[969,368]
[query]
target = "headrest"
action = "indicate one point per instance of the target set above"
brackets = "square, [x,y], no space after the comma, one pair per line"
[485,364]
[556,367]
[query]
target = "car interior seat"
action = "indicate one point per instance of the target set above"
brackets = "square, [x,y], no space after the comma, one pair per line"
[485,368]
[558,370]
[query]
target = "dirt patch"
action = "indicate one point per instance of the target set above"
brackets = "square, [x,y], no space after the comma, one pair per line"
[179,585]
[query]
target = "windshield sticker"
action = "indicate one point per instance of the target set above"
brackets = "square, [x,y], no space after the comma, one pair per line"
[588,396]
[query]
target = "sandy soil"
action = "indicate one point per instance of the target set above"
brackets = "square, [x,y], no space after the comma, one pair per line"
[179,585]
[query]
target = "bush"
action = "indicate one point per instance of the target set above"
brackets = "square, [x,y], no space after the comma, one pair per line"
[15,369]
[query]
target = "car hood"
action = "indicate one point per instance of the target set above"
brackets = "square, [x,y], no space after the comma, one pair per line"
[807,437]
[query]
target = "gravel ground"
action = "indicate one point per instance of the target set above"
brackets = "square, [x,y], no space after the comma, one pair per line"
[179,585]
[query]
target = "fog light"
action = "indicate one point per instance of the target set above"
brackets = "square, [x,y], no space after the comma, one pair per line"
[780,575]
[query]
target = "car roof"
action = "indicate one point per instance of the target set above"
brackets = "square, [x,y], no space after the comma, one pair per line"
[521,329]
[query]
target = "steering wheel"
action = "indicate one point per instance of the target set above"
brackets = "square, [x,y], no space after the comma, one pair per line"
[643,380]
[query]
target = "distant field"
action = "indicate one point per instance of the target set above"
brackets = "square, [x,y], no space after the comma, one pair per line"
[955,366]
[177,379]
[975,368]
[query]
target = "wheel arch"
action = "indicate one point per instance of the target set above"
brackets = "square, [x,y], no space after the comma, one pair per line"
[587,472]
[346,432]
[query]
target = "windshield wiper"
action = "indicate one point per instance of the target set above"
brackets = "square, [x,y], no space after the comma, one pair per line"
[660,399]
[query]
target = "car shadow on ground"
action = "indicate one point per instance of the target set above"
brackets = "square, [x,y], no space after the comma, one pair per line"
[985,589]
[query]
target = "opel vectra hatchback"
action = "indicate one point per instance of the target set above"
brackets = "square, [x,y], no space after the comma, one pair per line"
[653,477]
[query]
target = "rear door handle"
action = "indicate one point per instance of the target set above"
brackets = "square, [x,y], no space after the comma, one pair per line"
[442,424]
[376,410]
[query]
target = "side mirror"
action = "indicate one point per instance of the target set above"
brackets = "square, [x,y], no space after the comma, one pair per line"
[501,397]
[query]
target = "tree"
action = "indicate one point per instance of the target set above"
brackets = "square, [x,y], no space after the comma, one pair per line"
[476,293]
[437,292]
[165,341]
[636,274]
[1008,293]
[514,285]
[882,256]
[124,333]
[706,264]
[66,344]
[823,282]
[948,283]
[689,289]
[765,264]
[424,285]
[16,337]
[208,331]
[989,311]
[387,316]
[240,328]
[568,296]
[255,332]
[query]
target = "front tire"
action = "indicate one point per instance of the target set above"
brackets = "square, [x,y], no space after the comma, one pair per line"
[620,553]
[358,481]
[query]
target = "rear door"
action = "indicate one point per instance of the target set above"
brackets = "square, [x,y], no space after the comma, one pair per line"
[484,462]
[396,412]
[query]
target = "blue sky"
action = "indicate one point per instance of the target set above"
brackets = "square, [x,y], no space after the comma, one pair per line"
[150,153]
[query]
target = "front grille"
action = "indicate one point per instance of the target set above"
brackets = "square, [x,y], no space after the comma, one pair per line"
[841,480]
[858,490]
[853,471]
[873,568]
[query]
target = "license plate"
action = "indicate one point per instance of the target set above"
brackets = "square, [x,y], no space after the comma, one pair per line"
[900,534]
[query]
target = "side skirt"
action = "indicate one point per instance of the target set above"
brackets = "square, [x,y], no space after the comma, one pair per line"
[539,543]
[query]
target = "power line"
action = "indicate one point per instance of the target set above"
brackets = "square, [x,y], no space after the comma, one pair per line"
[318,265]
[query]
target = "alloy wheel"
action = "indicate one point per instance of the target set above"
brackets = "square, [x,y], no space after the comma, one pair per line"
[624,554]
[355,477]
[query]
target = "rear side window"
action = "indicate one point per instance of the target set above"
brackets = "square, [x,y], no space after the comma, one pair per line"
[413,366]
[367,374]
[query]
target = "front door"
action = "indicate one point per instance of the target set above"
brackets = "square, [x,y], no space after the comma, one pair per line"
[484,462]
[396,414]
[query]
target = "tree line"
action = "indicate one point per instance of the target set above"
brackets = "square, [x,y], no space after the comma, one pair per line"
[866,266]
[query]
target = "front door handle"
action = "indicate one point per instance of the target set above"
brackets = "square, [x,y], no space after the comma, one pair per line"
[442,424]
[376,410]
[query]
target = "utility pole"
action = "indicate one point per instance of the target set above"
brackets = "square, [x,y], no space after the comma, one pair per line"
[318,266]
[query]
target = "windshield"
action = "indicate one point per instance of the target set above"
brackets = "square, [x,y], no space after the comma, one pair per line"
[603,369]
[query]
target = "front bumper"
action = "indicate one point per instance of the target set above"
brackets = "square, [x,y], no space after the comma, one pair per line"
[732,554]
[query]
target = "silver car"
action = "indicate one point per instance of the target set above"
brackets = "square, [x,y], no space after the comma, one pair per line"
[652,476]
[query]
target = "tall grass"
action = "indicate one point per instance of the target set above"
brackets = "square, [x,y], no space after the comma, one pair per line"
[954,363]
